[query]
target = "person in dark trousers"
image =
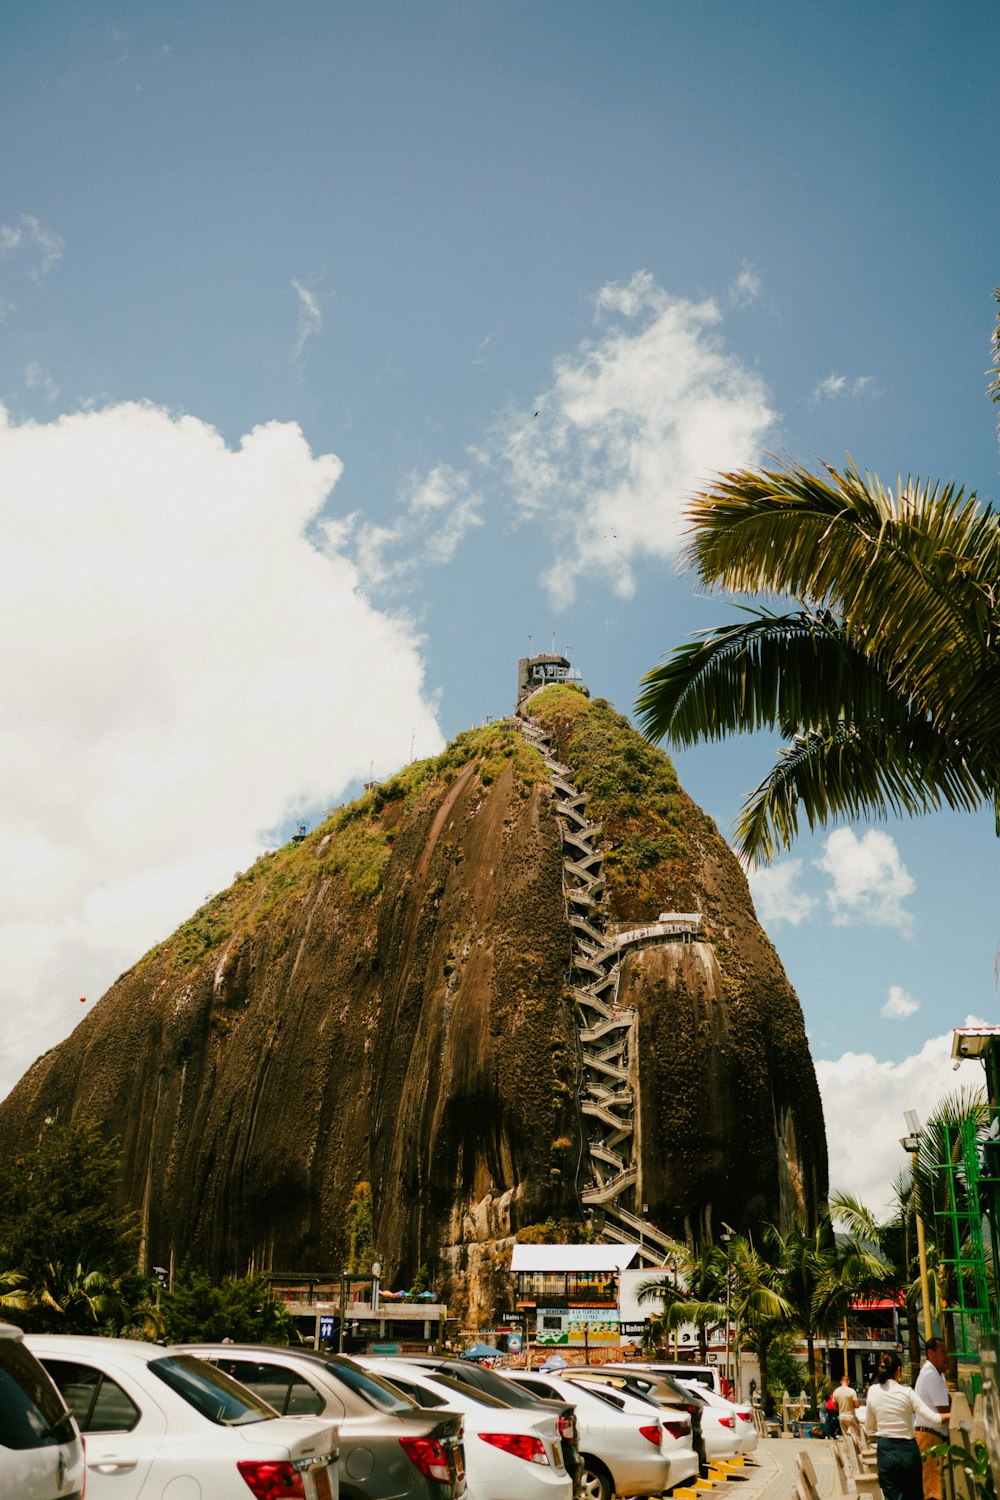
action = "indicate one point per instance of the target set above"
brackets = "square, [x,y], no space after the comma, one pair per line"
[890,1416]
[931,1386]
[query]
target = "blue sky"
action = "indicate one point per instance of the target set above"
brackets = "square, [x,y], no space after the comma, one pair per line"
[282,290]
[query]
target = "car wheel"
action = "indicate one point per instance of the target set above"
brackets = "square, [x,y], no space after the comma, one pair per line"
[595,1482]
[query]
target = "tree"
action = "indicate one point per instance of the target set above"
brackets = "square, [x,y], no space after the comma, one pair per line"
[885,679]
[67,1249]
[761,1311]
[803,1260]
[696,1295]
[358,1220]
[891,1240]
[239,1307]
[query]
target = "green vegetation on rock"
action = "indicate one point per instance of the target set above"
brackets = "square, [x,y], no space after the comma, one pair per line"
[353,844]
[633,790]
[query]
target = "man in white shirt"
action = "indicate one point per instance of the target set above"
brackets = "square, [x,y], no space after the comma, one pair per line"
[846,1398]
[932,1389]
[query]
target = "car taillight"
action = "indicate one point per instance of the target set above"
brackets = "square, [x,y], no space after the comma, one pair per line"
[271,1480]
[652,1435]
[429,1457]
[567,1429]
[520,1444]
[676,1427]
[745,1416]
[728,1421]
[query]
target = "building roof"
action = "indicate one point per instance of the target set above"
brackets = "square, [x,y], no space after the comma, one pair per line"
[573,1257]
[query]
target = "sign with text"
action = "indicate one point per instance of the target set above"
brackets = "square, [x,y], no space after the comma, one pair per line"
[577,1325]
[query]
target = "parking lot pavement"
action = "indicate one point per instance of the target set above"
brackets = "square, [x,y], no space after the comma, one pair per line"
[772,1476]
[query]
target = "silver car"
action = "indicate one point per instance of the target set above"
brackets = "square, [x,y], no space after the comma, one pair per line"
[389,1446]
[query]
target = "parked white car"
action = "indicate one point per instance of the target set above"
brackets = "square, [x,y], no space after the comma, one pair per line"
[629,1446]
[160,1422]
[41,1454]
[745,1427]
[509,1451]
[720,1427]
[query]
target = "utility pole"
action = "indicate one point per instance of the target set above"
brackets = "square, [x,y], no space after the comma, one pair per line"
[911,1143]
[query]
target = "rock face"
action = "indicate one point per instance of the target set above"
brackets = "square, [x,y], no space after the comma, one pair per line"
[388,1002]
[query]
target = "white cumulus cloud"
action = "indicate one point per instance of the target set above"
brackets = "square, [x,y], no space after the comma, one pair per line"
[870,881]
[777,892]
[863,1104]
[899,1004]
[181,671]
[634,421]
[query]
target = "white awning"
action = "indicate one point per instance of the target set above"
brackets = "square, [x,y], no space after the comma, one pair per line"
[556,1258]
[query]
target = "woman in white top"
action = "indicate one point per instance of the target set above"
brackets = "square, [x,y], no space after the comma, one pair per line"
[891,1410]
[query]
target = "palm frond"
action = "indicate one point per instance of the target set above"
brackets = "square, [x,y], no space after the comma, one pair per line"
[854,772]
[855,1216]
[790,671]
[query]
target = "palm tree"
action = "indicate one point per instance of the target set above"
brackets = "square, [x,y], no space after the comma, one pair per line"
[886,676]
[759,1307]
[892,1241]
[858,1269]
[804,1260]
[13,1290]
[697,1295]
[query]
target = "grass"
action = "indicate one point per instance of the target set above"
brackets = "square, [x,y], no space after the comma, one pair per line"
[633,790]
[353,845]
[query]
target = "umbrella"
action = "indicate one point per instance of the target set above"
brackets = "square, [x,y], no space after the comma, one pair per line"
[481,1351]
[554,1362]
[426,1296]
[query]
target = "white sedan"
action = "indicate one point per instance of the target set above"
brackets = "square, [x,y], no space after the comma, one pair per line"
[509,1451]
[629,1446]
[720,1427]
[742,1415]
[158,1422]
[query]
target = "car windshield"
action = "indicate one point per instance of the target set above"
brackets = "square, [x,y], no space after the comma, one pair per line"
[32,1413]
[210,1391]
[479,1380]
[605,1393]
[471,1393]
[369,1387]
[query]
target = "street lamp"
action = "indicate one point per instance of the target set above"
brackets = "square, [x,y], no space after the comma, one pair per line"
[911,1143]
[727,1233]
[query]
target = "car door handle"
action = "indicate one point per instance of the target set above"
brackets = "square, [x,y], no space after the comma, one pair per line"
[111,1464]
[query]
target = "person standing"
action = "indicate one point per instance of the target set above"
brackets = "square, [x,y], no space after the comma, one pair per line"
[931,1387]
[890,1416]
[846,1398]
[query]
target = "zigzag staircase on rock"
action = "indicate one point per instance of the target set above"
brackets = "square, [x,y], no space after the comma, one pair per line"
[607,1031]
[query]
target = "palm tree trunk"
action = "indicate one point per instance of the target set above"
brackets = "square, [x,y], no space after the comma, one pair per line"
[811,1367]
[913,1337]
